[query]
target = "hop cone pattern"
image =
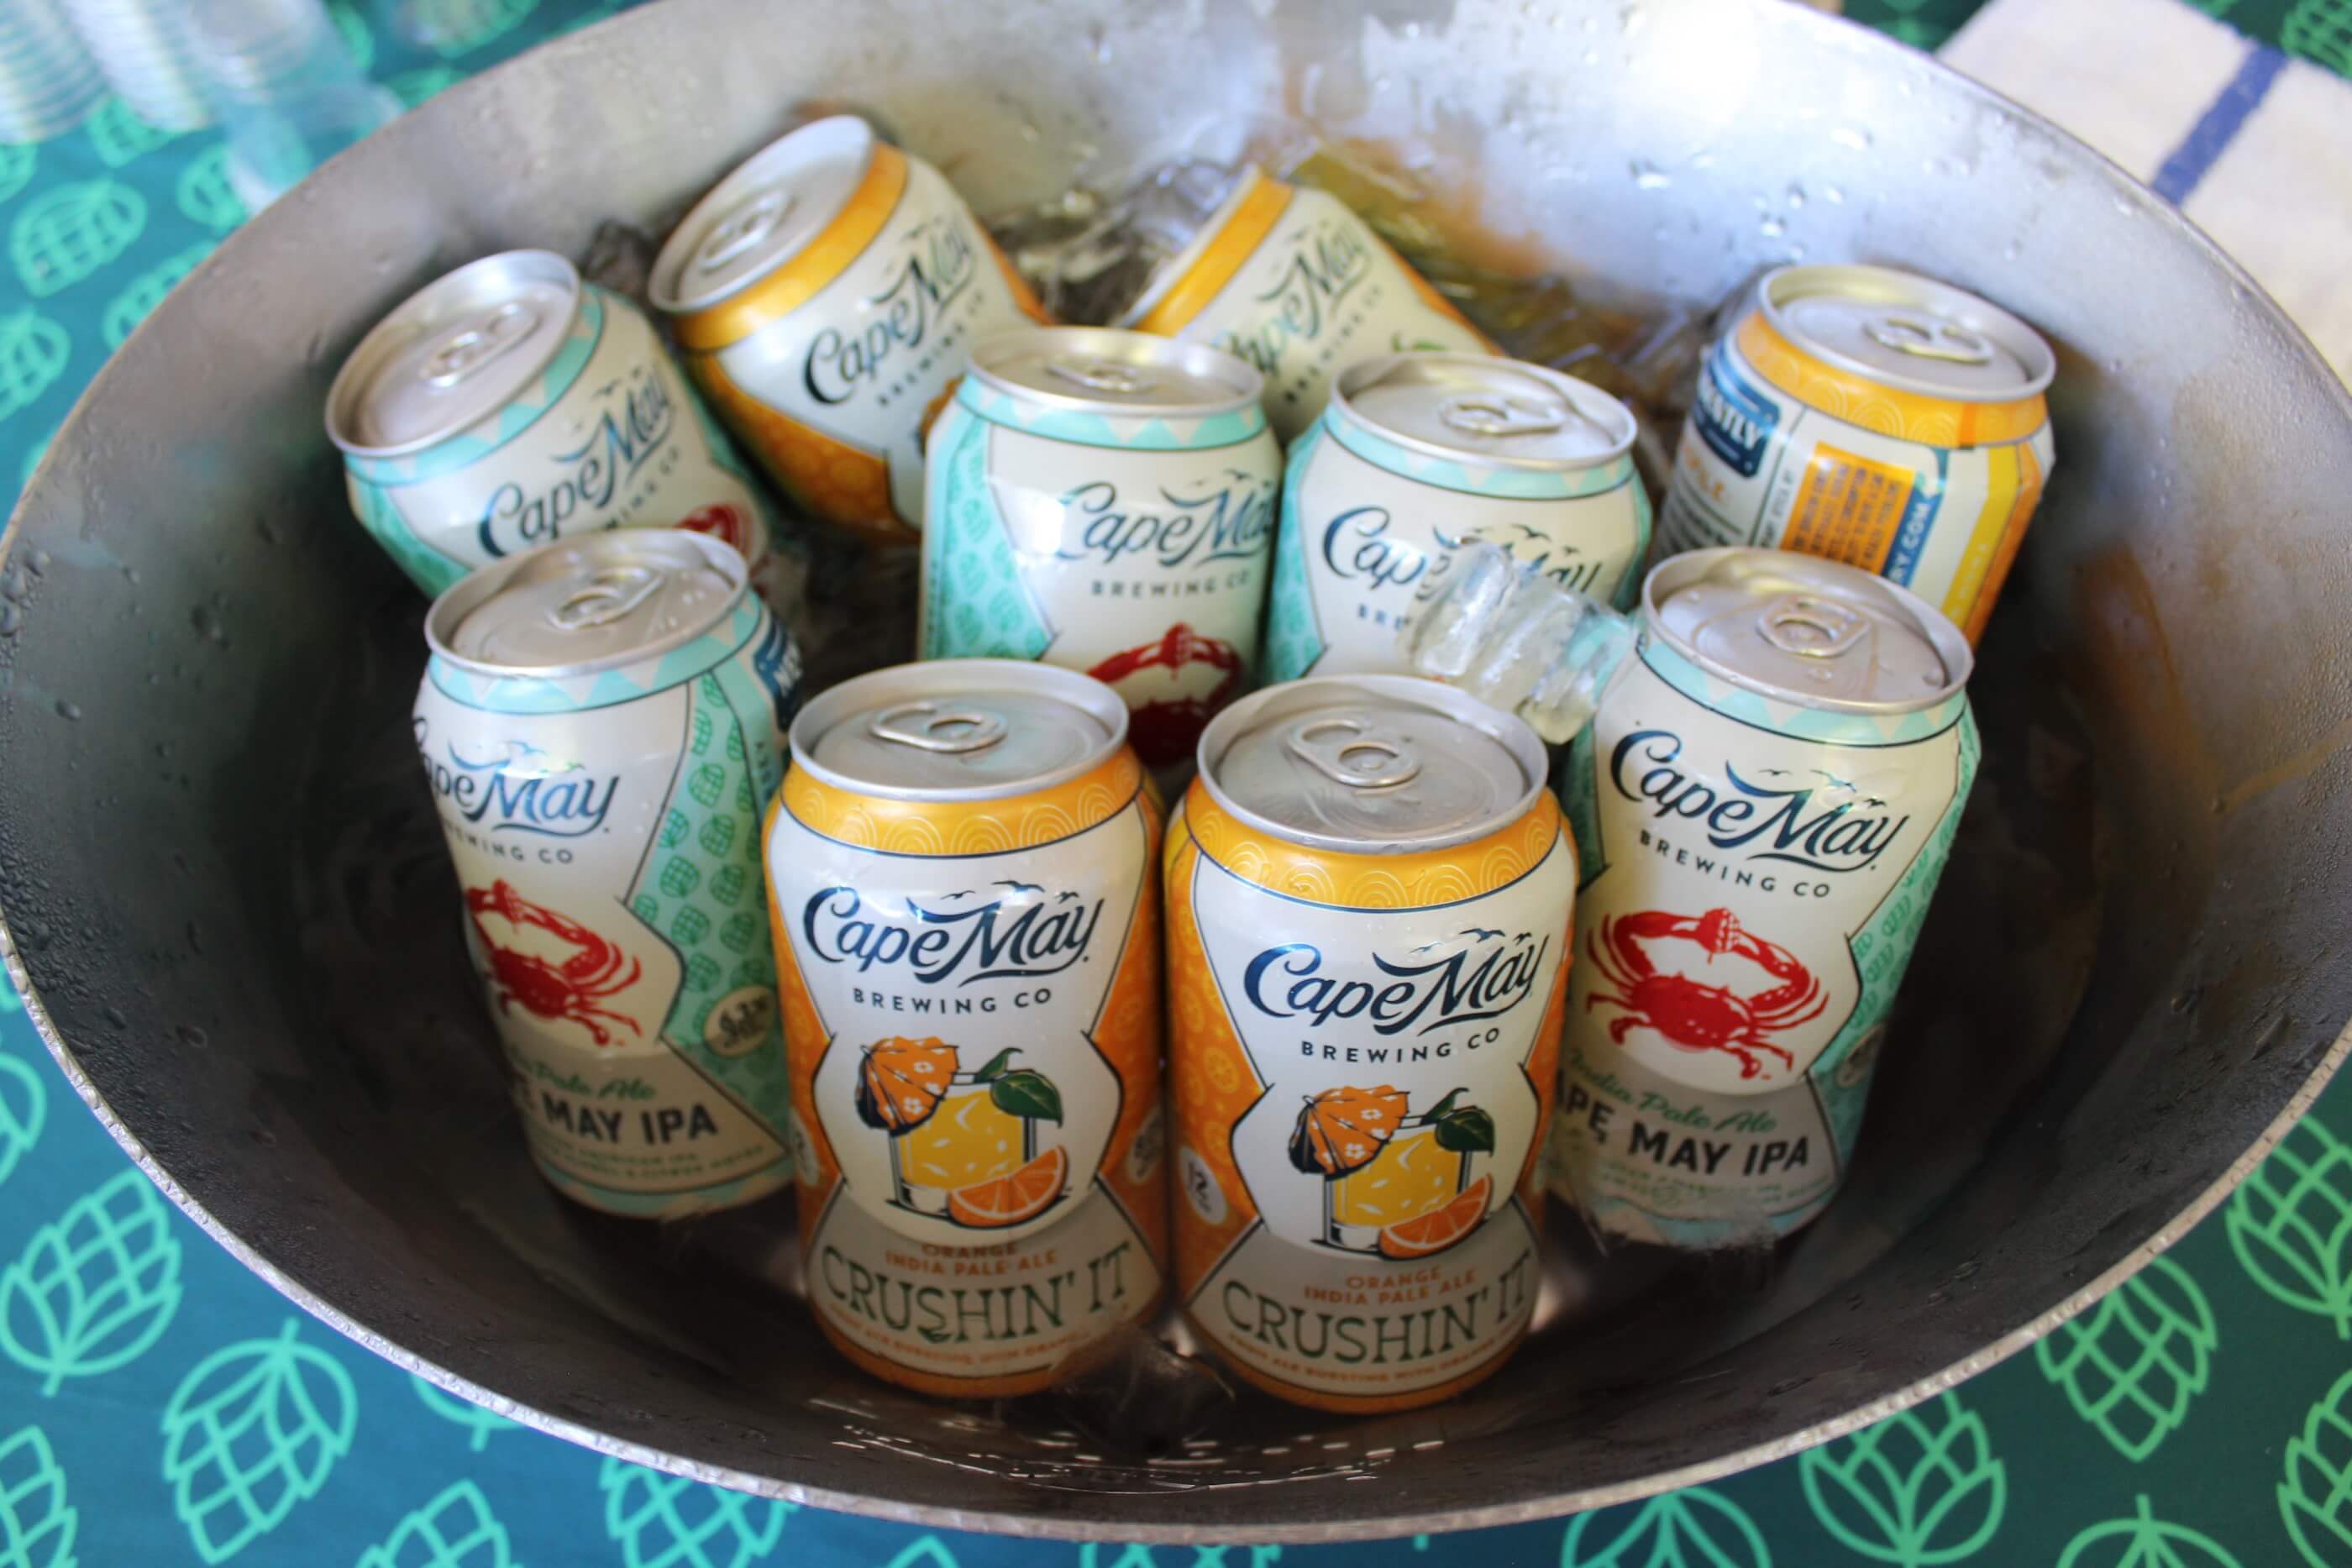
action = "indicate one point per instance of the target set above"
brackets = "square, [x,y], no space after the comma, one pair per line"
[667,1521]
[17,161]
[2132,1364]
[33,349]
[456,1529]
[1293,640]
[990,616]
[927,1553]
[477,1422]
[146,291]
[2291,1224]
[24,1105]
[2315,1497]
[204,196]
[2321,30]
[1919,1489]
[94,1289]
[2144,1540]
[252,1430]
[37,1526]
[1695,1525]
[120,135]
[71,232]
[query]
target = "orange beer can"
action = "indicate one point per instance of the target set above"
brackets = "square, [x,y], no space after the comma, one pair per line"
[826,294]
[1369,900]
[962,873]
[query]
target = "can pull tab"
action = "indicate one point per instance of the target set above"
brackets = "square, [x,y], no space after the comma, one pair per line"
[1345,751]
[1812,628]
[604,597]
[1926,340]
[475,342]
[1101,375]
[951,731]
[1480,414]
[743,228]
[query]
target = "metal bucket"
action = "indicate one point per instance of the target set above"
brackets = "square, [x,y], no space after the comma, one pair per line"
[226,886]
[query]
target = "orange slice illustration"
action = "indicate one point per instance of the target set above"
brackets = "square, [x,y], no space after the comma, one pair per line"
[1439,1227]
[1010,1199]
[901,1080]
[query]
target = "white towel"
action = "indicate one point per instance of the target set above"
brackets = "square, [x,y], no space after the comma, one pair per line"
[2253,145]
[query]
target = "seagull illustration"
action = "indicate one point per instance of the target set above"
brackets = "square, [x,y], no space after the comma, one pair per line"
[1872,803]
[1772,773]
[1481,934]
[1067,895]
[1017,886]
[1835,782]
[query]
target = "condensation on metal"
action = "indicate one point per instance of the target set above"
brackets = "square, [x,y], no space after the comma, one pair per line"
[578,606]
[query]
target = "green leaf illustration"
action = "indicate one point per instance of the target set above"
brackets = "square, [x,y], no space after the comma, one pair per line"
[205,197]
[413,88]
[23,1103]
[1468,1130]
[37,1527]
[464,1413]
[253,1429]
[356,36]
[1025,1091]
[2290,1223]
[927,1552]
[1919,1489]
[71,232]
[930,1552]
[16,162]
[33,349]
[2316,1497]
[994,1068]
[146,291]
[2131,1365]
[667,1521]
[2144,1541]
[120,135]
[1438,1110]
[95,1287]
[456,1529]
[1695,1528]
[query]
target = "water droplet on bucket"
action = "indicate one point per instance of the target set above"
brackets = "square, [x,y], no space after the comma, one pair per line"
[1771,228]
[38,564]
[1649,176]
[11,618]
[1853,136]
[69,711]
[194,1036]
[114,1015]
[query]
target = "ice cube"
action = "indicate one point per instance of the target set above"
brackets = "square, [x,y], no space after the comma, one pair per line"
[1090,257]
[1514,638]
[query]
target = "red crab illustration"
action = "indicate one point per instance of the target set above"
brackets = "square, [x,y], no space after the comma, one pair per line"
[1164,728]
[722,520]
[1692,1016]
[596,969]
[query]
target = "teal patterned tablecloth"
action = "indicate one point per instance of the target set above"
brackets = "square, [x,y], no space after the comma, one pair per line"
[161,1407]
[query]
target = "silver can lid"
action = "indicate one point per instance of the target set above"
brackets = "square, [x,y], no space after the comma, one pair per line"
[1805,630]
[763,213]
[1107,370]
[454,353]
[1473,408]
[1370,764]
[1909,333]
[591,603]
[958,729]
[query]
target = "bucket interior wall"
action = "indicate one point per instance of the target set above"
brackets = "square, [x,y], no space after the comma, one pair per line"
[226,886]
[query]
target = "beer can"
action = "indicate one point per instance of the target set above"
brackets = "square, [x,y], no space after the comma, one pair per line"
[1368,893]
[826,294]
[967,922]
[510,404]
[1104,501]
[1290,279]
[1764,800]
[602,722]
[1876,418]
[1416,456]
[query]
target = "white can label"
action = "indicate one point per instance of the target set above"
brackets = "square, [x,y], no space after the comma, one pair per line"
[1391,1254]
[1319,293]
[623,443]
[1368,530]
[609,867]
[1142,565]
[1757,877]
[864,359]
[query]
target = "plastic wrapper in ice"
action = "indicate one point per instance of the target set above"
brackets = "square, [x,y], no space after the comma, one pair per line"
[1130,1391]
[1090,258]
[1510,636]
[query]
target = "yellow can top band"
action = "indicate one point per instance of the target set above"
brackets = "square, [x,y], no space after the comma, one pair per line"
[965,827]
[1858,400]
[1414,881]
[808,270]
[1254,218]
